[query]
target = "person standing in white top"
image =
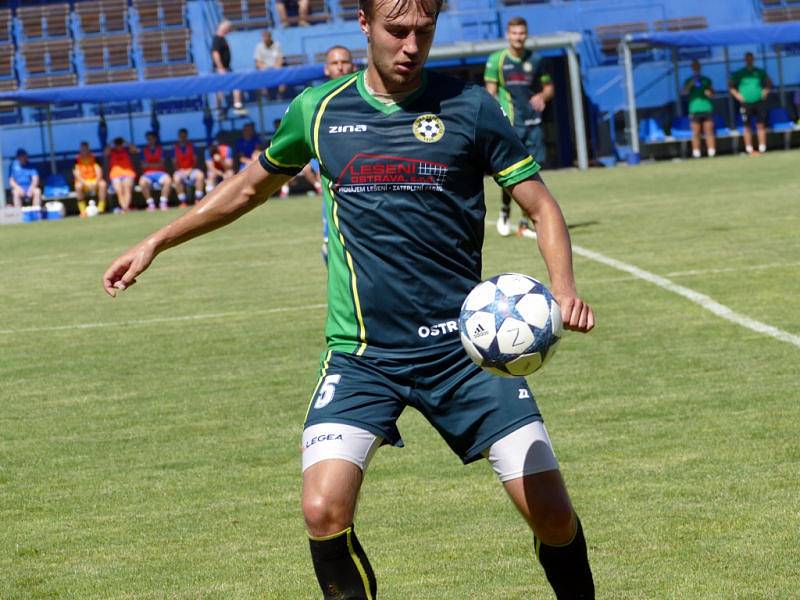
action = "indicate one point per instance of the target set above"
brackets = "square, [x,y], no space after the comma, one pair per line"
[269,55]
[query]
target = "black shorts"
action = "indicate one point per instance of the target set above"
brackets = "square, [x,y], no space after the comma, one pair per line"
[701,117]
[754,112]
[470,408]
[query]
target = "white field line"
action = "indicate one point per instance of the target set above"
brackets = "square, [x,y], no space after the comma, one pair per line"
[704,301]
[199,317]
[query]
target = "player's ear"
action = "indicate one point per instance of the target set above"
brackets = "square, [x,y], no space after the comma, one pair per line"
[363,22]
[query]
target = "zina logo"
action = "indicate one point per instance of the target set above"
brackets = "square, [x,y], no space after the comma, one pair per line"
[347,128]
[523,393]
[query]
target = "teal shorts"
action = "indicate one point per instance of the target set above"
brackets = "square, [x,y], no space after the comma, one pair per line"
[470,408]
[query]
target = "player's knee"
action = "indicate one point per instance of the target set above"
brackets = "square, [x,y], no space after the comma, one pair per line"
[556,524]
[325,515]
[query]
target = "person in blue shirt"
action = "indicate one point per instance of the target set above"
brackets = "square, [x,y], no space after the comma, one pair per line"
[24,181]
[246,145]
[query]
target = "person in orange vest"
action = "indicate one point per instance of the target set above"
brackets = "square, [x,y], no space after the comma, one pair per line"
[186,174]
[121,172]
[89,179]
[154,173]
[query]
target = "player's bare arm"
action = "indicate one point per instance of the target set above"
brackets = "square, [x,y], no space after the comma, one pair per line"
[226,203]
[538,203]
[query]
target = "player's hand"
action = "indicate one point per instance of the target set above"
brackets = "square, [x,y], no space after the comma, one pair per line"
[124,270]
[764,94]
[538,103]
[576,314]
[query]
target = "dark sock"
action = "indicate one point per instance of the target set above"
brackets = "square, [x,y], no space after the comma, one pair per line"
[506,208]
[567,567]
[342,568]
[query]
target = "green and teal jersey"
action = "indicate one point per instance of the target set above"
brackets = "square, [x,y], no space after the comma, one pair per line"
[698,101]
[516,79]
[403,192]
[750,83]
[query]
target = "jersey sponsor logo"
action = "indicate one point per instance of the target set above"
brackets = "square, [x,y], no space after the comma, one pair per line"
[325,437]
[428,128]
[347,128]
[382,173]
[445,328]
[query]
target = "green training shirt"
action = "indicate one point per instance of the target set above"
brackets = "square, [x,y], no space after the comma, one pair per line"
[515,79]
[750,83]
[698,101]
[403,192]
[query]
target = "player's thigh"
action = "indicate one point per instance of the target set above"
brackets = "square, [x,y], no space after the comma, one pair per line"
[330,494]
[472,409]
[543,502]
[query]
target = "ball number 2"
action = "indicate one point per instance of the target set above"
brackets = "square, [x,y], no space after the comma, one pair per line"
[327,390]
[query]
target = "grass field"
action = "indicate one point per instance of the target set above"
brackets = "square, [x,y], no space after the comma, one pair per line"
[149,445]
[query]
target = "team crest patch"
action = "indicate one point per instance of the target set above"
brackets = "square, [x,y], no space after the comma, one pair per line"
[527,67]
[428,128]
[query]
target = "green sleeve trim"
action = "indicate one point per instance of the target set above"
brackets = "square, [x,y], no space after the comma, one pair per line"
[517,172]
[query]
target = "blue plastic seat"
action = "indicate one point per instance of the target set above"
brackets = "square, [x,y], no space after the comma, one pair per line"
[650,131]
[681,129]
[720,126]
[779,120]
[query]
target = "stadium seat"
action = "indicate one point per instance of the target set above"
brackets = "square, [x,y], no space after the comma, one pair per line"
[681,24]
[650,131]
[164,46]
[102,16]
[348,9]
[779,15]
[170,70]
[148,12]
[174,13]
[610,36]
[6,61]
[48,81]
[290,60]
[106,52]
[720,126]
[5,25]
[110,76]
[47,56]
[779,119]
[681,129]
[317,12]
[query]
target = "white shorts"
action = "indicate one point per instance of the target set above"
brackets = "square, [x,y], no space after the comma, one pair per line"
[524,451]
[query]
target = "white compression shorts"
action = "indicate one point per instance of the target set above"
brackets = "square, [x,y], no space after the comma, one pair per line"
[524,451]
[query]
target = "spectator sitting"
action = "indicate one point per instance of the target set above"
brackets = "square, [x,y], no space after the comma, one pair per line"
[221,59]
[186,174]
[154,173]
[268,55]
[299,7]
[219,164]
[89,179]
[121,172]
[24,180]
[246,144]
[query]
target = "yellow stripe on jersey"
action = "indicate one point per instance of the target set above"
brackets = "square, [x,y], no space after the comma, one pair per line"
[514,167]
[278,163]
[322,108]
[362,330]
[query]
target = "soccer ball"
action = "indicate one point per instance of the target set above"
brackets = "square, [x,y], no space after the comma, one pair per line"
[510,325]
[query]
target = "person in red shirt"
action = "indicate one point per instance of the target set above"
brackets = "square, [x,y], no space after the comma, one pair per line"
[121,171]
[219,164]
[186,173]
[154,173]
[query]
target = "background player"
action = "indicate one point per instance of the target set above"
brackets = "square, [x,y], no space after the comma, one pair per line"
[121,172]
[511,76]
[751,86]
[154,173]
[23,178]
[219,164]
[391,272]
[186,175]
[701,110]
[89,179]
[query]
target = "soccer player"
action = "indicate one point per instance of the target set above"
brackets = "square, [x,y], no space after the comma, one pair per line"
[511,76]
[121,172]
[219,164]
[403,153]
[186,175]
[700,90]
[243,149]
[154,173]
[89,179]
[751,86]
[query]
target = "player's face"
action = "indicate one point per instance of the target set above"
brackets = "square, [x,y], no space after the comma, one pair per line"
[748,60]
[338,62]
[516,35]
[696,68]
[398,46]
[182,137]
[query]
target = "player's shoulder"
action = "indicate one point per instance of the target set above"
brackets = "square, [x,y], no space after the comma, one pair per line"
[495,56]
[314,95]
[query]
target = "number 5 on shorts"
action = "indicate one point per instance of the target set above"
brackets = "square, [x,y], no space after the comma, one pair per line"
[327,390]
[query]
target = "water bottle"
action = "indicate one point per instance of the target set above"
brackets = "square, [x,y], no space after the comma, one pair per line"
[92,210]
